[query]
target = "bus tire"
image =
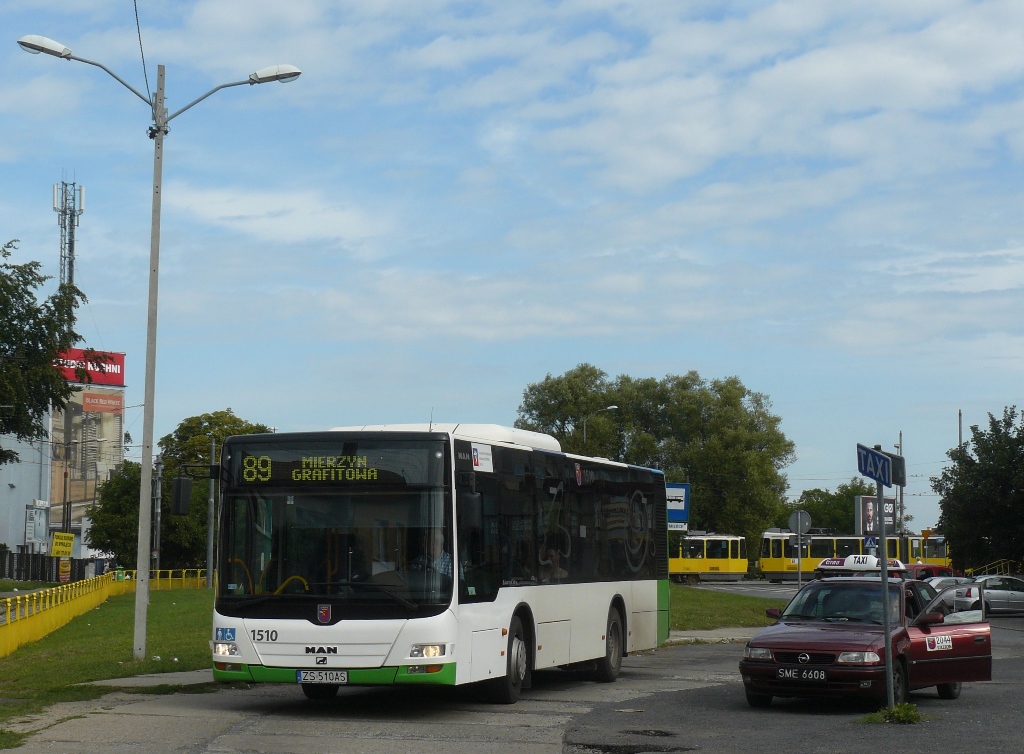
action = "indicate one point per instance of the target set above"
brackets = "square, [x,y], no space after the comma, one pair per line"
[608,667]
[319,691]
[949,690]
[506,690]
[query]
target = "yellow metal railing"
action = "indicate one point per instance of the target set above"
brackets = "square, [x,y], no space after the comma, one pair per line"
[999,567]
[31,616]
[192,578]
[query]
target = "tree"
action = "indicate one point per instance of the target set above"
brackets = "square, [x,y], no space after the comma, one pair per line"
[981,495]
[115,518]
[715,434]
[830,510]
[33,334]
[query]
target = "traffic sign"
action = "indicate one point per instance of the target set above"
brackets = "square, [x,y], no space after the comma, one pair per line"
[874,464]
[870,542]
[799,521]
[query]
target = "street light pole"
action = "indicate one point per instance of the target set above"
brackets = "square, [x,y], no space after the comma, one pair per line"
[35,44]
[606,408]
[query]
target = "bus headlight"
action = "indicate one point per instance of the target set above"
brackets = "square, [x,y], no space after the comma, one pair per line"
[225,648]
[427,650]
[859,658]
[757,653]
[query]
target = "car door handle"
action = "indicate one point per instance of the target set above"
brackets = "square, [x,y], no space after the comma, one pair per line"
[980,639]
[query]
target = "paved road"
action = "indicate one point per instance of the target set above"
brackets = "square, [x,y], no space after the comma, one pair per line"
[680,698]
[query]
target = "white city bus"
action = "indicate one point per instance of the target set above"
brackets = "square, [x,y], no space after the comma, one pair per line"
[441,554]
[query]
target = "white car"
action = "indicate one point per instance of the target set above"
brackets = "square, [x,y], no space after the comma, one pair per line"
[1000,594]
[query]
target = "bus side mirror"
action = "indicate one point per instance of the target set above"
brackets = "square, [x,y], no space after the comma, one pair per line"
[181,495]
[471,511]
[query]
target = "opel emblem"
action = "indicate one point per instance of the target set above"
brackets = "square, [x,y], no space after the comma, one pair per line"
[803,658]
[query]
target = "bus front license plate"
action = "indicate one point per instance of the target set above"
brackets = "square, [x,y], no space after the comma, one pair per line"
[802,674]
[321,676]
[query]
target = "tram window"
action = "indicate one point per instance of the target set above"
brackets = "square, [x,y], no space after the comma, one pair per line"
[892,547]
[776,548]
[848,546]
[915,549]
[693,548]
[821,548]
[734,549]
[743,549]
[718,549]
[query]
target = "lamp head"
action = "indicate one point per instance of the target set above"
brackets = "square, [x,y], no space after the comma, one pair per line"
[282,73]
[36,44]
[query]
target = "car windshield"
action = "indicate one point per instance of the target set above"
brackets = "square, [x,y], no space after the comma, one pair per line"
[842,601]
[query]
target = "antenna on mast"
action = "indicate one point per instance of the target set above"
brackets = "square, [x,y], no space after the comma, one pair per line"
[69,204]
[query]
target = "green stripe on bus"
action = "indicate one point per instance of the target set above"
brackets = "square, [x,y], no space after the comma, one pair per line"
[356,676]
[664,605]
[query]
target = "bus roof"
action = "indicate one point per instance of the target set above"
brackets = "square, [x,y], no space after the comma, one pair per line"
[493,433]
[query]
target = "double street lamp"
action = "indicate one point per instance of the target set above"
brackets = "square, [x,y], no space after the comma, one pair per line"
[35,44]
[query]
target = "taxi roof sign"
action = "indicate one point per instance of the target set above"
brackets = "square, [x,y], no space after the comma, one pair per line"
[858,564]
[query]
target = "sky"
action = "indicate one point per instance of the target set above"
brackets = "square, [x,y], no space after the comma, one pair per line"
[457,199]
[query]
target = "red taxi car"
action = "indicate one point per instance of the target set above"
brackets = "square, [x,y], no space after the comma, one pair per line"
[829,642]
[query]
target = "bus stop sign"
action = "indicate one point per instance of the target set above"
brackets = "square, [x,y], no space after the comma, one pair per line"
[874,464]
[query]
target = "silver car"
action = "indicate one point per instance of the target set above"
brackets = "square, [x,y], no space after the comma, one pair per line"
[938,583]
[1001,594]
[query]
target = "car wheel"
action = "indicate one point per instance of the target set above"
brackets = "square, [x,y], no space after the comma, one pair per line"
[759,701]
[608,667]
[949,690]
[976,605]
[899,684]
[506,690]
[319,690]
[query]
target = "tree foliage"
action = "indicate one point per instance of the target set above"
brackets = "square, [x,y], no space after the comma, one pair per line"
[715,434]
[831,510]
[981,495]
[115,519]
[33,333]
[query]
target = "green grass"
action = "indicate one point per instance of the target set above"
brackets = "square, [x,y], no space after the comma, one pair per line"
[98,645]
[703,609]
[6,585]
[901,714]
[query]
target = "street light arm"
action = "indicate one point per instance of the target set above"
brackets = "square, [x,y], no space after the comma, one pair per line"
[120,80]
[195,102]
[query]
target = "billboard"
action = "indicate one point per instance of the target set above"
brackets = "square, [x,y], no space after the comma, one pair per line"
[868,518]
[108,372]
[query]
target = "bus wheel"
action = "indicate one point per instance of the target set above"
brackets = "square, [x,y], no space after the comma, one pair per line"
[319,690]
[507,690]
[608,667]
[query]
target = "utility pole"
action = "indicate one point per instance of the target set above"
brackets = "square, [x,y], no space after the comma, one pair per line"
[157,496]
[69,204]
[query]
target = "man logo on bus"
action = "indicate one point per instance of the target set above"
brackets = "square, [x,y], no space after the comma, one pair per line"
[476,457]
[579,475]
[323,613]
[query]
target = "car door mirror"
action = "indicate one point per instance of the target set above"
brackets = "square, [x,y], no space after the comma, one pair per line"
[773,612]
[930,619]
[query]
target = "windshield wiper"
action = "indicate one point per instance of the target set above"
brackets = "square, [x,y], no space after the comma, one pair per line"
[798,616]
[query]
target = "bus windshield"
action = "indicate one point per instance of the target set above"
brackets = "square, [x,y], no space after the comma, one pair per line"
[362,528]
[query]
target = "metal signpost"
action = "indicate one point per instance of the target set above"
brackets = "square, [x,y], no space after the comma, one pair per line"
[800,522]
[874,464]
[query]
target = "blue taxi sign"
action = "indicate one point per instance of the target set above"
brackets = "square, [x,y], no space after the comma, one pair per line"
[874,464]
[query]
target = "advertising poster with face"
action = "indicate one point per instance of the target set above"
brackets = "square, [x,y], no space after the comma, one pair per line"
[869,516]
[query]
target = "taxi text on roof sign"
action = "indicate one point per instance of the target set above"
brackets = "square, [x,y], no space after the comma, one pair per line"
[859,563]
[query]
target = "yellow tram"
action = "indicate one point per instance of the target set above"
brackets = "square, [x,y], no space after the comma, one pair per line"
[778,557]
[706,556]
